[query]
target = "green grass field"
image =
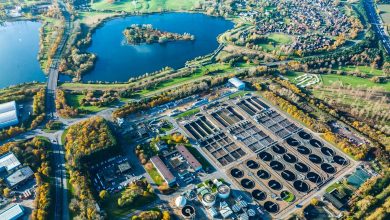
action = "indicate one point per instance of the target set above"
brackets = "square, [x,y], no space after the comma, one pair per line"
[187,113]
[146,6]
[75,100]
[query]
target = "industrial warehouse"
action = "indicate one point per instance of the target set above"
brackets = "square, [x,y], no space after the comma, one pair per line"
[268,155]
[8,114]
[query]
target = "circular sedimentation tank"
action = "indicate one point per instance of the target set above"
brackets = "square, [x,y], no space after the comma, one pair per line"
[188,211]
[328,168]
[208,199]
[275,185]
[301,167]
[292,142]
[288,175]
[265,156]
[252,164]
[223,191]
[316,143]
[315,158]
[271,207]
[279,149]
[304,135]
[237,173]
[301,186]
[259,195]
[304,150]
[262,174]
[314,177]
[276,165]
[327,151]
[290,158]
[340,160]
[247,183]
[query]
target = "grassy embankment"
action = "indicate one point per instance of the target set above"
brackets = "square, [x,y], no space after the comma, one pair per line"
[51,32]
[146,6]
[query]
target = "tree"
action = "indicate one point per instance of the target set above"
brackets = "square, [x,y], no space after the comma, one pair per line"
[103,194]
[314,202]
[166,215]
[6,192]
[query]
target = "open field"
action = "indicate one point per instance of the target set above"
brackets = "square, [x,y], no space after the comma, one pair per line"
[146,6]
[346,80]
[275,41]
[385,13]
[363,69]
[114,211]
[352,81]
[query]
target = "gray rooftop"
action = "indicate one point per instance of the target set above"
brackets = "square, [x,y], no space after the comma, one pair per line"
[19,176]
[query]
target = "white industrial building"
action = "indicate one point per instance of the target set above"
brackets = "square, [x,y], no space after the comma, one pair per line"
[238,84]
[8,114]
[13,213]
[8,163]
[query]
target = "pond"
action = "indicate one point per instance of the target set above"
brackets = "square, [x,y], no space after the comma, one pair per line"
[119,62]
[19,45]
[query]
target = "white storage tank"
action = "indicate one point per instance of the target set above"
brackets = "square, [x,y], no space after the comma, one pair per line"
[180,201]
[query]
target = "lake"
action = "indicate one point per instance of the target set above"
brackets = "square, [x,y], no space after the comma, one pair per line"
[119,62]
[19,45]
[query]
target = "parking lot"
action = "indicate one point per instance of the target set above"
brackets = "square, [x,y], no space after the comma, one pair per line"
[272,158]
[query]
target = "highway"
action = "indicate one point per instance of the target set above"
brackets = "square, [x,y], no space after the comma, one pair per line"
[61,211]
[377,24]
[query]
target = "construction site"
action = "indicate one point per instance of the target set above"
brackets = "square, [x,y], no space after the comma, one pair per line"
[268,155]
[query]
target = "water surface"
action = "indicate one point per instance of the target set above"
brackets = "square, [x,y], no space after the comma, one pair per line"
[19,46]
[119,62]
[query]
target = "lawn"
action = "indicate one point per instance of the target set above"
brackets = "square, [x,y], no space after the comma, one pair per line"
[236,94]
[333,186]
[292,75]
[187,113]
[75,100]
[146,6]
[289,198]
[166,127]
[153,173]
[275,41]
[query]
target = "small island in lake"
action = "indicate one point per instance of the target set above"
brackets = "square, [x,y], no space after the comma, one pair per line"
[138,34]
